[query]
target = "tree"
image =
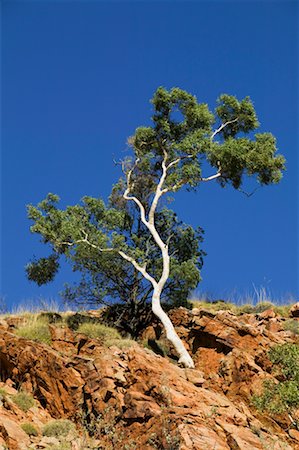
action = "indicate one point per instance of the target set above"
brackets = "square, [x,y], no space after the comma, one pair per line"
[168,156]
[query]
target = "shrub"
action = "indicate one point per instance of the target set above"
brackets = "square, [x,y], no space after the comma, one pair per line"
[247,308]
[3,392]
[57,428]
[29,429]
[23,400]
[62,446]
[50,316]
[99,331]
[36,329]
[263,306]
[282,310]
[75,320]
[291,325]
[281,396]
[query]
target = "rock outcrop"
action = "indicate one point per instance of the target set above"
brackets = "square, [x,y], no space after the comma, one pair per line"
[133,398]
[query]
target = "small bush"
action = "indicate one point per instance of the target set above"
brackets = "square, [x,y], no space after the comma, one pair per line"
[214,306]
[74,321]
[282,310]
[62,446]
[50,317]
[57,428]
[281,396]
[3,392]
[23,400]
[291,325]
[36,329]
[29,429]
[99,331]
[247,308]
[263,306]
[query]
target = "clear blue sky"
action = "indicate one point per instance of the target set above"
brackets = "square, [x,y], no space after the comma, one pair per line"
[76,81]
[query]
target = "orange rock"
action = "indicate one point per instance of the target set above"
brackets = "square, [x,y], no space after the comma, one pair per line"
[12,433]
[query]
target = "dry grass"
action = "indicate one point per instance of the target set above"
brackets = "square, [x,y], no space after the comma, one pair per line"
[35,328]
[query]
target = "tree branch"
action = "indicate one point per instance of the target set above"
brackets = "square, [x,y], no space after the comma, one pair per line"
[86,241]
[212,177]
[248,194]
[132,197]
[137,266]
[222,126]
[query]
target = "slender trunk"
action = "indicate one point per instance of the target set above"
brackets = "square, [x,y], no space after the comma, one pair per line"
[184,357]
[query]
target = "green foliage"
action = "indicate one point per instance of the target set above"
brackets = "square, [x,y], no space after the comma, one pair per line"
[291,325]
[283,395]
[29,429]
[23,400]
[43,270]
[36,329]
[58,428]
[106,274]
[263,306]
[246,309]
[64,445]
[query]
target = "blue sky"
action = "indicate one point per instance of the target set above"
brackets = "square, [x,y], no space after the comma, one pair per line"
[76,81]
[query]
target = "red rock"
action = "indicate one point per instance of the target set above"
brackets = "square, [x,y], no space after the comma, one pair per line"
[13,435]
[294,434]
[144,397]
[267,314]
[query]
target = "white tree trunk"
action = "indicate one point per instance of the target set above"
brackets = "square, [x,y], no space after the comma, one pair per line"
[184,357]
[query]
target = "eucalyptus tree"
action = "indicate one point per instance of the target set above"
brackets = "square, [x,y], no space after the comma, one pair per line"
[167,156]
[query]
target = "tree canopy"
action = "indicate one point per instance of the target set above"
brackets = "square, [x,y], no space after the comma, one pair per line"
[106,276]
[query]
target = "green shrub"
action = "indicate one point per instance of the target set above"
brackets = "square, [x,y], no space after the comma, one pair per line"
[3,392]
[36,329]
[247,308]
[263,306]
[282,310]
[291,325]
[99,331]
[29,429]
[62,446]
[23,400]
[281,396]
[75,320]
[50,316]
[57,428]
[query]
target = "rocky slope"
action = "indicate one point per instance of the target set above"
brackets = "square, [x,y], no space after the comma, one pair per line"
[132,398]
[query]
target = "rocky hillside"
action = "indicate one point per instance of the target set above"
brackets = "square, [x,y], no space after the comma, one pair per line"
[77,393]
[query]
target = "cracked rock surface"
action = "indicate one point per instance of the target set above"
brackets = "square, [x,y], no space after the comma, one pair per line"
[135,399]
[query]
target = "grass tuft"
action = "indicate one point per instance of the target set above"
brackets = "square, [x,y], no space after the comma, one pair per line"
[29,429]
[57,428]
[23,400]
[99,331]
[36,329]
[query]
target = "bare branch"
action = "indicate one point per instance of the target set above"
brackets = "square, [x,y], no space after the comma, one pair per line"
[86,241]
[222,126]
[137,266]
[212,177]
[132,197]
[248,194]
